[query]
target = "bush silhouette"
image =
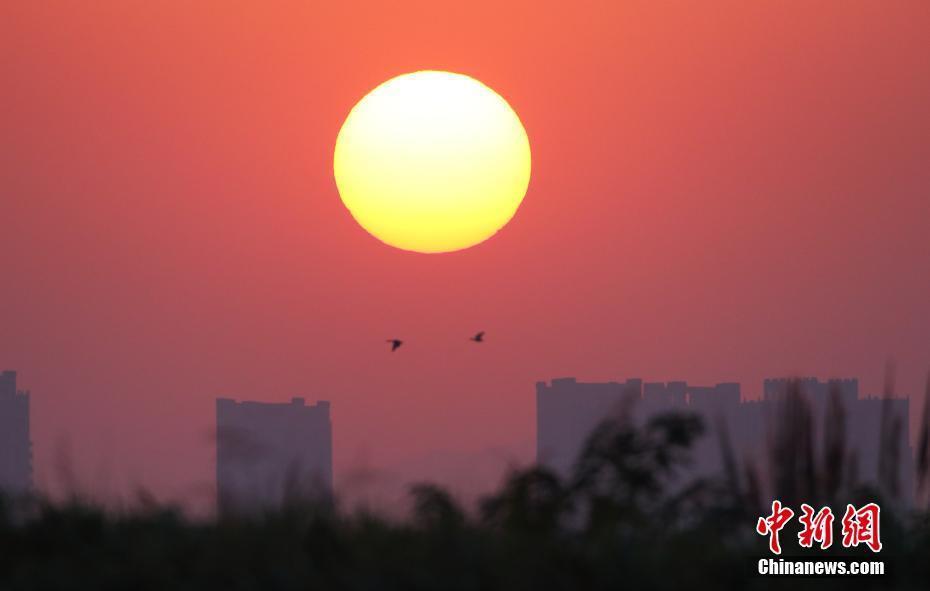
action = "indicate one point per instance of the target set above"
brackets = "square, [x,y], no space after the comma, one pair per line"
[629,516]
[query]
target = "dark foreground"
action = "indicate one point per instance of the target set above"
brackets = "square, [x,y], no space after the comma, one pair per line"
[629,518]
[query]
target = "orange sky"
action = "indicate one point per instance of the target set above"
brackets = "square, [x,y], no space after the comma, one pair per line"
[719,193]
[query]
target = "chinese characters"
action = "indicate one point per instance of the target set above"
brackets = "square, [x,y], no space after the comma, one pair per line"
[859,526]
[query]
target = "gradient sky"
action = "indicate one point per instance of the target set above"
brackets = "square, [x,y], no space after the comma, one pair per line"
[724,192]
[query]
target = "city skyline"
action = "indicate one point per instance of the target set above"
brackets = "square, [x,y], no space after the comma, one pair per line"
[260,443]
[568,411]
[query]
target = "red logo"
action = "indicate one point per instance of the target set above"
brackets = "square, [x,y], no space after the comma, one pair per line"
[773,524]
[859,526]
[817,528]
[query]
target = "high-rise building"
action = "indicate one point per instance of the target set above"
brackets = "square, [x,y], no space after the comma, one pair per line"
[568,411]
[268,454]
[15,444]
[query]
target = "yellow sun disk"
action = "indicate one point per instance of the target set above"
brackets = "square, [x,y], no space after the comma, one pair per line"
[432,162]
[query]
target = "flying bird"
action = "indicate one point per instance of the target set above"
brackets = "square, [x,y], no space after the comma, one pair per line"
[395,344]
[478,338]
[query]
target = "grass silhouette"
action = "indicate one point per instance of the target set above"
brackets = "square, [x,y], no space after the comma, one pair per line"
[629,516]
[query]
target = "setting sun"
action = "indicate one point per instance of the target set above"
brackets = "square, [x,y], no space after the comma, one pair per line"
[432,162]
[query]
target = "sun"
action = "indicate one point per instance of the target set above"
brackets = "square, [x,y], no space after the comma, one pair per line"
[432,162]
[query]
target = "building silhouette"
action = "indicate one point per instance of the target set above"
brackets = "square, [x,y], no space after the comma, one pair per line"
[567,412]
[271,454]
[15,444]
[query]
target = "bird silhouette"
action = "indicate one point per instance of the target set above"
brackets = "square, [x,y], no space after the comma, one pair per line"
[478,338]
[395,344]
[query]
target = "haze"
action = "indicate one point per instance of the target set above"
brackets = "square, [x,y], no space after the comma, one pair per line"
[717,195]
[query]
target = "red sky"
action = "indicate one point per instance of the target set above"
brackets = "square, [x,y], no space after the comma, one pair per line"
[719,193]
